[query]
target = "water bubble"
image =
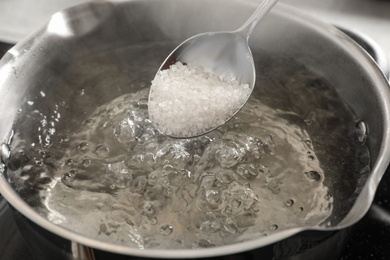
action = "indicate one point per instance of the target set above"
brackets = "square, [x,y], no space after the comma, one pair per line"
[99,205]
[87,162]
[229,154]
[274,186]
[175,178]
[247,171]
[154,177]
[127,132]
[212,197]
[228,210]
[205,244]
[166,229]
[111,112]
[153,221]
[309,143]
[209,181]
[313,175]
[149,209]
[206,227]
[139,184]
[42,153]
[5,152]
[225,176]
[82,146]
[68,176]
[102,151]
[248,219]
[69,162]
[168,168]
[38,163]
[235,203]
[103,228]
[230,226]
[264,170]
[328,196]
[289,202]
[89,121]
[142,103]
[210,227]
[274,227]
[44,180]
[310,156]
[64,139]
[361,131]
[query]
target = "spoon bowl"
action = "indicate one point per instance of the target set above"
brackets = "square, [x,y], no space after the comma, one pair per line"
[224,54]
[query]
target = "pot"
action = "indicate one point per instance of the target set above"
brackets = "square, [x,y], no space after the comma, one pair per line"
[42,63]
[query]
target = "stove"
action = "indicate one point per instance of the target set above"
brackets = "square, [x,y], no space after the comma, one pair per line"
[368,22]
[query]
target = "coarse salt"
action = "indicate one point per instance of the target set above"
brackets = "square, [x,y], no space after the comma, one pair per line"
[186,100]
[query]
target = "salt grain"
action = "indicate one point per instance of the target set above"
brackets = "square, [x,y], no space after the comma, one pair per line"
[186,100]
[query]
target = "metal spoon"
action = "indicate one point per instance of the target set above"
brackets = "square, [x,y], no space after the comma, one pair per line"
[222,53]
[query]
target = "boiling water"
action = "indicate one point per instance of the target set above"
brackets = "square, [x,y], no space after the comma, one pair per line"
[285,160]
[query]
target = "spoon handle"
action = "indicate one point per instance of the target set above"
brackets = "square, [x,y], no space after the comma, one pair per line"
[247,28]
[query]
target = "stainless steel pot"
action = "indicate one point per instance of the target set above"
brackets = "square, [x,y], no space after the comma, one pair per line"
[41,63]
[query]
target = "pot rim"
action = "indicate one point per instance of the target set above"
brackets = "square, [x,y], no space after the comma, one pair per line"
[356,213]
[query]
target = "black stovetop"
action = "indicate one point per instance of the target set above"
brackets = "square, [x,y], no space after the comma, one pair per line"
[368,239]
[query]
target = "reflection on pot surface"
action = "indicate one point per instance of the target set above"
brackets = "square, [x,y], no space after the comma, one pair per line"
[110,175]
